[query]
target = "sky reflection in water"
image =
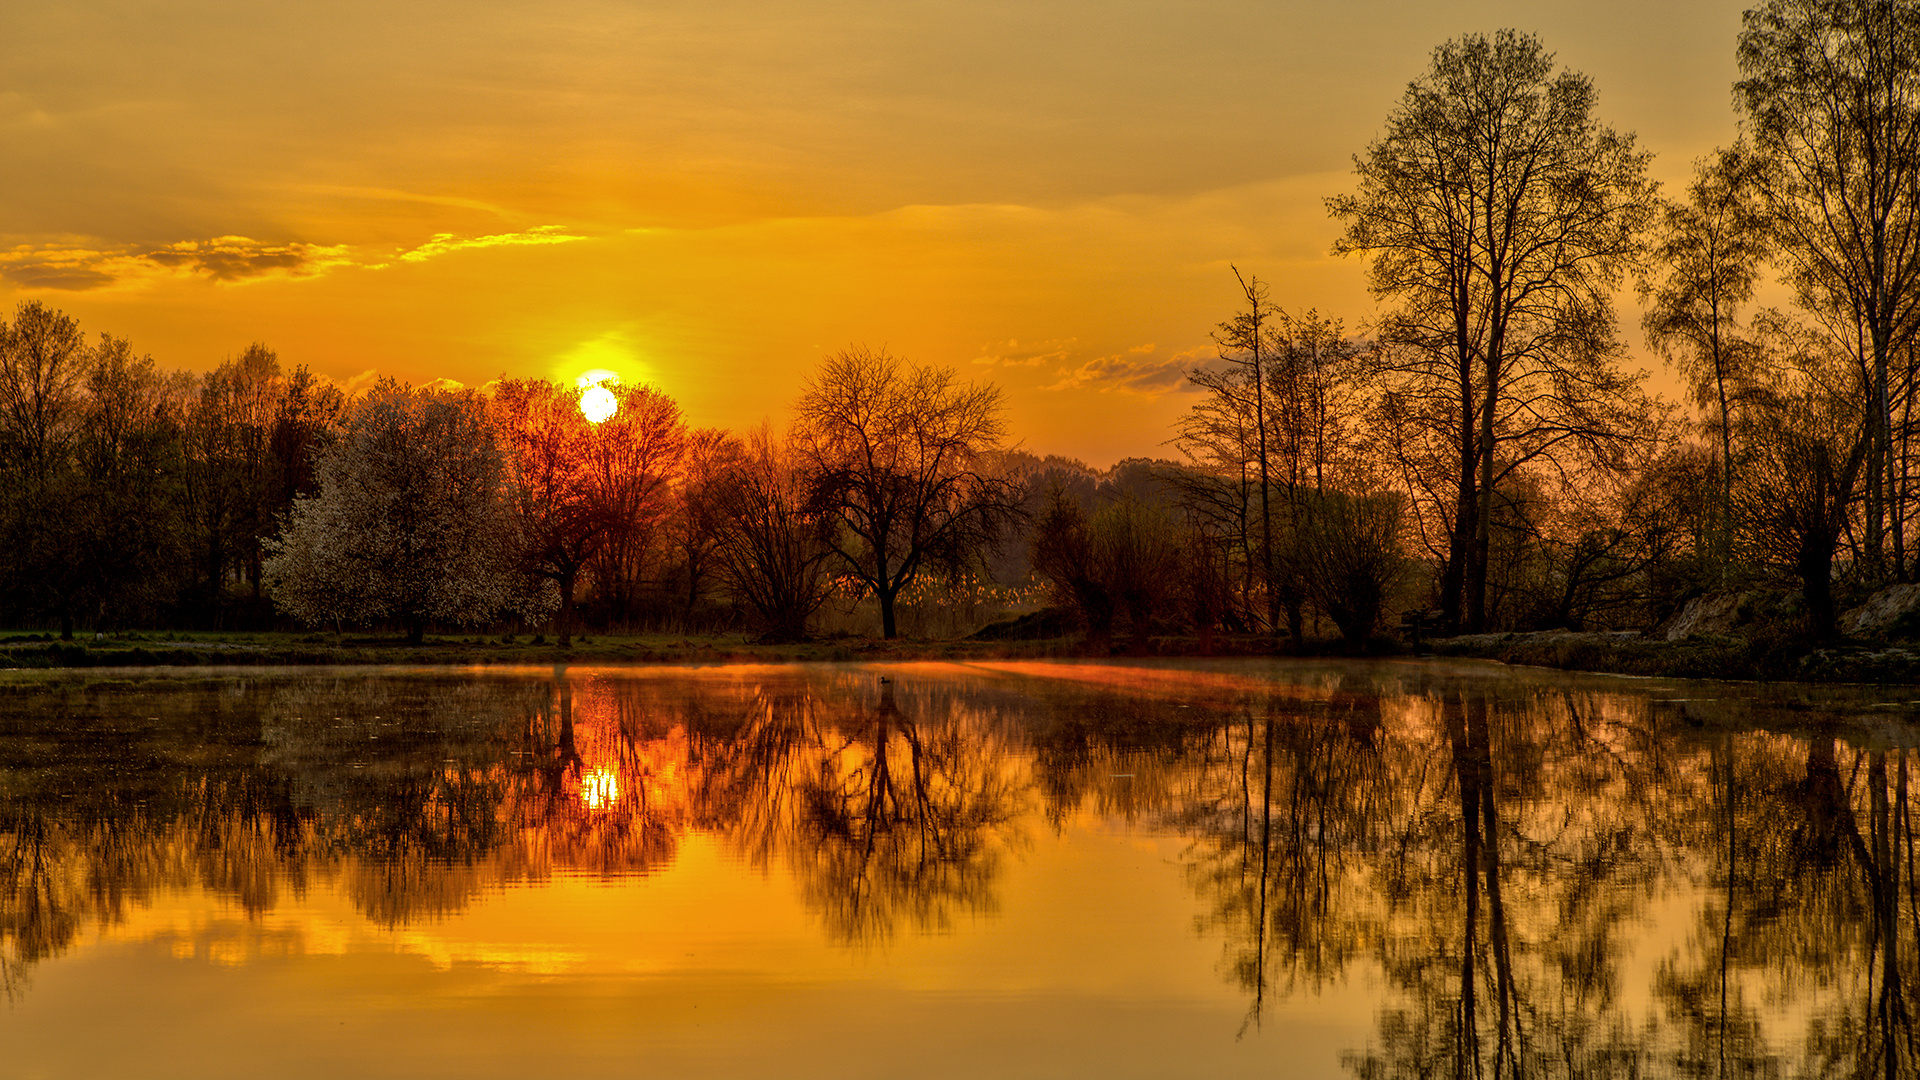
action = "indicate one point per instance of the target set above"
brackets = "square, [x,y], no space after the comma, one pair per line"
[1007,869]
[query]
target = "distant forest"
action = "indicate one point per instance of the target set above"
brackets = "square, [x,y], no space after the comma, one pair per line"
[1479,452]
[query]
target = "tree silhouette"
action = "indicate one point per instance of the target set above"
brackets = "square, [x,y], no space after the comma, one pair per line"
[896,455]
[1499,214]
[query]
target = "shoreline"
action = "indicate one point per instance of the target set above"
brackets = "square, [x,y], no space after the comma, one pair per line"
[1716,656]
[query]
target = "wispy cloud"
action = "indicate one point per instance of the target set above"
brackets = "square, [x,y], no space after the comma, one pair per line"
[1011,353]
[443,243]
[1135,371]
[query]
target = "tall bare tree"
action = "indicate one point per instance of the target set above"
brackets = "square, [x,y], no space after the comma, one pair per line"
[633,458]
[1499,215]
[1830,96]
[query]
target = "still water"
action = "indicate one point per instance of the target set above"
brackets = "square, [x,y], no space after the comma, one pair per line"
[986,870]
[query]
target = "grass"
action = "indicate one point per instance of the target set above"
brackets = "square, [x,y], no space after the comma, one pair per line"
[253,648]
[1761,657]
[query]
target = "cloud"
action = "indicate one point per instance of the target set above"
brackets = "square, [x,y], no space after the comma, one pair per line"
[238,258]
[1135,371]
[53,274]
[225,259]
[1010,353]
[445,242]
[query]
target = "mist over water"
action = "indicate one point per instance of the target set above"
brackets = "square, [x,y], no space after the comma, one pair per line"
[1009,869]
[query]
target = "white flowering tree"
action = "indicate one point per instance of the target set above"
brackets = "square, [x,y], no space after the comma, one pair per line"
[408,525]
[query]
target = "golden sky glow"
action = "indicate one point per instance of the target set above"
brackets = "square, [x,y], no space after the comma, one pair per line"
[711,196]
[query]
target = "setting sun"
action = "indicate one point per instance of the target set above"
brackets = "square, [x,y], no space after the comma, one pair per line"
[597,403]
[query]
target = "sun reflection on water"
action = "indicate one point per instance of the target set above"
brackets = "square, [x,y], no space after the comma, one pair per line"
[599,789]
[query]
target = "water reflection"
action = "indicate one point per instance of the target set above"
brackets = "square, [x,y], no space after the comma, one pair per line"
[1495,850]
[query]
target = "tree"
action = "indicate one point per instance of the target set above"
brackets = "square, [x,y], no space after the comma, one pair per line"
[713,456]
[43,369]
[1350,551]
[633,458]
[1499,214]
[1830,94]
[1710,253]
[126,516]
[894,455]
[549,486]
[1242,340]
[1808,441]
[1281,411]
[44,365]
[229,427]
[408,524]
[772,551]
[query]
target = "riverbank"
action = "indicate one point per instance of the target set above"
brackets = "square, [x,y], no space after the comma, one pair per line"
[1746,657]
[1710,656]
[207,649]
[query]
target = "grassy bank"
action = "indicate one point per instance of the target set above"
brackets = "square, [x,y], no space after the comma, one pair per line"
[1723,656]
[206,649]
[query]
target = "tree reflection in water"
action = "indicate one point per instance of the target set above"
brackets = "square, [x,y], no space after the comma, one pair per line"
[1492,847]
[889,807]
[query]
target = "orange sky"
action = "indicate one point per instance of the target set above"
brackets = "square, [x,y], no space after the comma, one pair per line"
[712,194]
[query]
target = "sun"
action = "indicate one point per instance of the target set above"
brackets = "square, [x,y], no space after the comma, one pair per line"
[597,403]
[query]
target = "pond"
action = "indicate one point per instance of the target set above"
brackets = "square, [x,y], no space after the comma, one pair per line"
[1023,869]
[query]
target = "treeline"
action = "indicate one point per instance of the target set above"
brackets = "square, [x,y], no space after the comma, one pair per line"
[1487,429]
[1480,454]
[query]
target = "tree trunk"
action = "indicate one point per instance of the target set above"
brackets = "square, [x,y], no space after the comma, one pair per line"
[885,597]
[1460,543]
[563,622]
[1477,564]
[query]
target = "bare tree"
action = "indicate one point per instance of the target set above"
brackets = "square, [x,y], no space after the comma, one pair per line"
[1808,439]
[633,458]
[712,456]
[1830,94]
[1500,215]
[894,454]
[772,551]
[1710,257]
[229,425]
[43,368]
[549,486]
